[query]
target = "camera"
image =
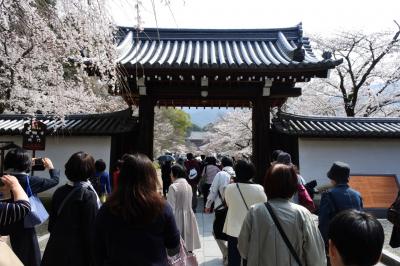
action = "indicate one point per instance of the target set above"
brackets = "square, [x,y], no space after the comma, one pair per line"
[38,164]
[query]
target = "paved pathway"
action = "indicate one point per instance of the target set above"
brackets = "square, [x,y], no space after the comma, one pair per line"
[209,254]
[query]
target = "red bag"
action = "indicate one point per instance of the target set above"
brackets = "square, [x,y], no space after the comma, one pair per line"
[304,198]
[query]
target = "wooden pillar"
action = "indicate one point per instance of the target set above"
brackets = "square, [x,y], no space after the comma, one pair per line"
[146,126]
[261,136]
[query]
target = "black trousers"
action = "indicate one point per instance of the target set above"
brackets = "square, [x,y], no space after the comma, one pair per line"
[25,245]
[205,190]
[194,197]
[234,258]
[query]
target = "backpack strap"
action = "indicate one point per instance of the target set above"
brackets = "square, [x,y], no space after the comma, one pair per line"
[285,238]
[66,199]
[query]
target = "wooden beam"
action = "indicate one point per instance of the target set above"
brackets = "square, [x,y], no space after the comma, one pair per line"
[260,131]
[285,92]
[145,139]
[307,72]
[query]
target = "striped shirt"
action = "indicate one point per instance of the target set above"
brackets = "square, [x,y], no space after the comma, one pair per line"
[11,212]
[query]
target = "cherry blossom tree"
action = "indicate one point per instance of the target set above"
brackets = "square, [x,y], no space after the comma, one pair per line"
[56,57]
[230,134]
[366,83]
[170,128]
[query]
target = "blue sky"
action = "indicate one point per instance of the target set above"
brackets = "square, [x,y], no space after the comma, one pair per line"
[202,117]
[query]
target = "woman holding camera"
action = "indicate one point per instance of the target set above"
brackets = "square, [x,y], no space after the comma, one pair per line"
[73,211]
[24,243]
[11,212]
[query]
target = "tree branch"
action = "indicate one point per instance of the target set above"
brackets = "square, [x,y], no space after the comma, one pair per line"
[378,58]
[341,85]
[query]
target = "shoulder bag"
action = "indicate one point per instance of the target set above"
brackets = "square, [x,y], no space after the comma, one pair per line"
[65,200]
[183,258]
[285,239]
[304,198]
[202,180]
[220,216]
[237,185]
[38,213]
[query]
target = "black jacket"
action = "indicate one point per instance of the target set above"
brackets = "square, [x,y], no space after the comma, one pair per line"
[121,243]
[23,240]
[70,231]
[40,184]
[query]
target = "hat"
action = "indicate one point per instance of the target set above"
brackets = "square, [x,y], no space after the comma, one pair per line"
[284,158]
[275,154]
[339,172]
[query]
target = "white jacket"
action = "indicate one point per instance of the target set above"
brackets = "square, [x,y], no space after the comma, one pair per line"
[221,180]
[252,194]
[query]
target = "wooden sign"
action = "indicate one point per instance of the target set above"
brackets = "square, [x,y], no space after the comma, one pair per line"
[34,136]
[377,191]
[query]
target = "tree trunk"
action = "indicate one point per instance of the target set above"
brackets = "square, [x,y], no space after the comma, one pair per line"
[349,111]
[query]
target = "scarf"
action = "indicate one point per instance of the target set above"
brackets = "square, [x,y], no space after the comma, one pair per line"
[87,185]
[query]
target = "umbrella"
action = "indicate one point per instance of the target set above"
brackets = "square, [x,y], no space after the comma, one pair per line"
[166,158]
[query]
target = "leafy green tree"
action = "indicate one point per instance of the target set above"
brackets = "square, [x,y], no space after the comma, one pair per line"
[170,127]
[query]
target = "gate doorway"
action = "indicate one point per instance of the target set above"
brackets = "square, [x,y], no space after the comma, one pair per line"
[256,68]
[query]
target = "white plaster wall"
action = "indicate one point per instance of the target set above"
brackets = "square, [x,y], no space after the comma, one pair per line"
[60,148]
[365,156]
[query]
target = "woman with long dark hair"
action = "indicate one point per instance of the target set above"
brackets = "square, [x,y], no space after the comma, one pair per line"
[135,226]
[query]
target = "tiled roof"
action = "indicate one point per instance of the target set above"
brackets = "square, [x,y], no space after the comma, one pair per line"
[197,135]
[336,126]
[210,48]
[82,124]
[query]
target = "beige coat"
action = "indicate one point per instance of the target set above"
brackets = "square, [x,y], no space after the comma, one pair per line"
[180,198]
[261,243]
[252,194]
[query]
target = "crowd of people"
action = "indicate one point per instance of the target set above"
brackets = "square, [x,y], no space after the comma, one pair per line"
[255,224]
